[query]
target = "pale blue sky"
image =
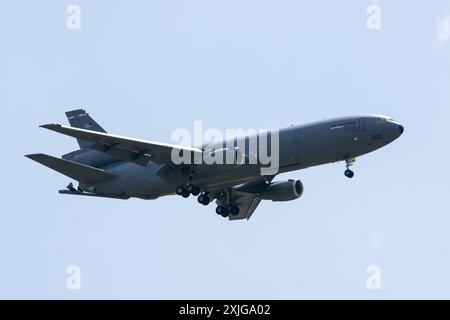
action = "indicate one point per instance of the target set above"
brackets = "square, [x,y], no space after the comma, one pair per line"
[145,68]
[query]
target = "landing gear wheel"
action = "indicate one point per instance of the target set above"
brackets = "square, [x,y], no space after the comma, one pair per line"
[349,162]
[222,211]
[203,199]
[186,194]
[182,191]
[349,173]
[194,190]
[234,210]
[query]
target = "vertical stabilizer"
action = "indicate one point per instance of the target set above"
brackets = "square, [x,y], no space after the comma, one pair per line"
[80,119]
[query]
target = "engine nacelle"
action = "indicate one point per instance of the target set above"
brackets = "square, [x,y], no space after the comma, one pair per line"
[283,190]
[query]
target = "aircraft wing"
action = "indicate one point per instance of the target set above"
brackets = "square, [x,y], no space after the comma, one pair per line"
[128,149]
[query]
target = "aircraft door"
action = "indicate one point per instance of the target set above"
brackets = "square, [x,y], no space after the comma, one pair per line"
[361,124]
[297,146]
[297,136]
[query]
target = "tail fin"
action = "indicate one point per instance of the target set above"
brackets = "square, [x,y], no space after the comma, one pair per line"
[80,119]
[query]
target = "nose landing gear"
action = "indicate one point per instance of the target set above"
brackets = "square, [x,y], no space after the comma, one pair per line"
[349,173]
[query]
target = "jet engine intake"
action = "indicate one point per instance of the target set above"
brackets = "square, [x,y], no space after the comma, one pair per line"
[283,190]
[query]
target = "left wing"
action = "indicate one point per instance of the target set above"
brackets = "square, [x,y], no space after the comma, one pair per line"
[128,149]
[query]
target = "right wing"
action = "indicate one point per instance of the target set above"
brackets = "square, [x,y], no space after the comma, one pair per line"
[128,149]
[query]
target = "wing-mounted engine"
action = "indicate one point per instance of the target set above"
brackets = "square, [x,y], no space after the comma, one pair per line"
[283,190]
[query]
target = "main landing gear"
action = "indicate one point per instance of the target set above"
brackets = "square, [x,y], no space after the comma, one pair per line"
[349,173]
[186,191]
[195,191]
[182,191]
[226,204]
[204,199]
[226,211]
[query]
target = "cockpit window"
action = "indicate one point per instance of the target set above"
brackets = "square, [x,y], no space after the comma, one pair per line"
[383,120]
[337,126]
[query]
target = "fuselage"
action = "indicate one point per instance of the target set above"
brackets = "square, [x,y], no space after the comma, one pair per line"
[299,147]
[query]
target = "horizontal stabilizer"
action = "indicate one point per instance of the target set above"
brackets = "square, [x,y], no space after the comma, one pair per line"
[79,172]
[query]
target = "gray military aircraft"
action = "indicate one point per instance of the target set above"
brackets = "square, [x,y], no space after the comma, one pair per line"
[112,166]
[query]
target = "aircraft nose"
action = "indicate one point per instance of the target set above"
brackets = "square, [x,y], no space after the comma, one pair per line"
[400,128]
